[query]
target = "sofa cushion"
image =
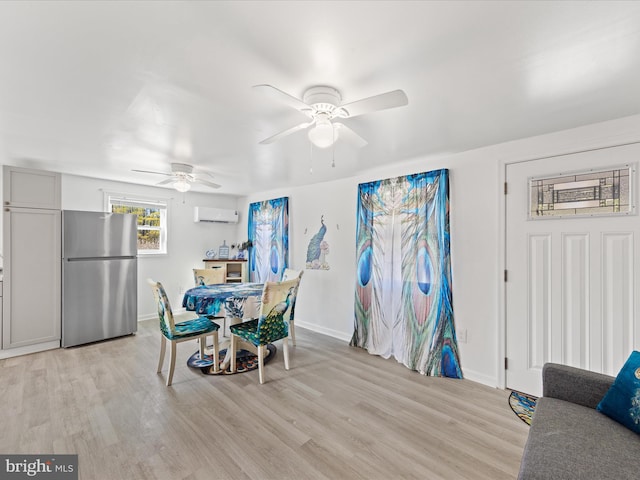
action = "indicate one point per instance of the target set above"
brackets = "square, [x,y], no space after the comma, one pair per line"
[622,400]
[568,441]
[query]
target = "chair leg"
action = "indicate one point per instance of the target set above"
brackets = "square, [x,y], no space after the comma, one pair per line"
[172,363]
[163,348]
[216,362]
[232,348]
[292,331]
[261,363]
[285,350]
[203,344]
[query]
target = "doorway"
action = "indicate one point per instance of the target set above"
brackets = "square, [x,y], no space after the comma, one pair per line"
[571,279]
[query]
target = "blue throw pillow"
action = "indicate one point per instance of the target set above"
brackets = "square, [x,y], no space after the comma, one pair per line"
[622,400]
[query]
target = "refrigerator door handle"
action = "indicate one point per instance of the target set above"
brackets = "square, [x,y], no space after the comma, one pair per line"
[84,259]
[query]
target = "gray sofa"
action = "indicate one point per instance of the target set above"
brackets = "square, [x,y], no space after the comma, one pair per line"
[569,439]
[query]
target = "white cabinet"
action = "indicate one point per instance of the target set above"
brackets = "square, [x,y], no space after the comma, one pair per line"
[32,258]
[31,188]
[0,310]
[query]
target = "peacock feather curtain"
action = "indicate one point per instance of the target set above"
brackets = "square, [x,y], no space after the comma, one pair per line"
[268,227]
[403,297]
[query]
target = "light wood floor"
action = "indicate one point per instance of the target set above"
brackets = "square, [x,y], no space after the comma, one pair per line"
[339,413]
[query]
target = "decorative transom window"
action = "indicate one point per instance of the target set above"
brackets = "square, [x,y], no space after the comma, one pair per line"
[152,221]
[585,193]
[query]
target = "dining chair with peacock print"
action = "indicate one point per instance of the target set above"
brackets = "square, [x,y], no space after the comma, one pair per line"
[174,333]
[290,274]
[270,326]
[211,276]
[208,276]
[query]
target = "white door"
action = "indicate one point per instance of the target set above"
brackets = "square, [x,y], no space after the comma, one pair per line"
[32,276]
[571,282]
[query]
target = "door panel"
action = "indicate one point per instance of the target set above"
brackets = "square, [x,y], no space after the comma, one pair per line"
[31,188]
[570,295]
[31,307]
[539,328]
[617,300]
[575,289]
[97,300]
[99,234]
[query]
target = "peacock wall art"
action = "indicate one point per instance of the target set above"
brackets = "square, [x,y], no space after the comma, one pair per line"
[318,249]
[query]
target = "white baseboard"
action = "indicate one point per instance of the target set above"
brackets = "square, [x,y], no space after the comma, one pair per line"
[468,374]
[150,316]
[40,347]
[479,377]
[179,314]
[325,331]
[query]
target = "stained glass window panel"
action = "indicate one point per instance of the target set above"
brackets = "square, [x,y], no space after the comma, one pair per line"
[606,192]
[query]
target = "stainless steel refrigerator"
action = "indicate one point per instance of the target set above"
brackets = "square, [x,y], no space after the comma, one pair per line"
[99,276]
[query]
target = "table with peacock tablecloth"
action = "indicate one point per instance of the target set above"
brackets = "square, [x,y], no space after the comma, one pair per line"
[223,299]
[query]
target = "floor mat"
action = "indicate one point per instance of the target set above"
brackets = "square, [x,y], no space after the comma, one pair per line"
[523,405]
[245,361]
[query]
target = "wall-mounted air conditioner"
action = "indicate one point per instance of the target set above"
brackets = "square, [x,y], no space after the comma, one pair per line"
[208,214]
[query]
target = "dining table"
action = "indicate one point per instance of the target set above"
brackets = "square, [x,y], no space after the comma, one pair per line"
[229,300]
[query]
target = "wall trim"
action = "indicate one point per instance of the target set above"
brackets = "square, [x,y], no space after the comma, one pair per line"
[325,331]
[38,347]
[478,377]
[470,375]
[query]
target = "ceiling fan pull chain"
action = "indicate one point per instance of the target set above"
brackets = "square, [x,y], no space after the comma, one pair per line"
[333,147]
[310,158]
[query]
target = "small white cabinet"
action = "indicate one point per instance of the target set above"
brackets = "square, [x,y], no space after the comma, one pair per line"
[31,188]
[31,302]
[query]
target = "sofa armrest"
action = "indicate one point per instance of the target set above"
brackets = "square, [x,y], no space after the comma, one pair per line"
[574,385]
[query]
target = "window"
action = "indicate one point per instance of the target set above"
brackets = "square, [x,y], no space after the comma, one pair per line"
[587,193]
[152,221]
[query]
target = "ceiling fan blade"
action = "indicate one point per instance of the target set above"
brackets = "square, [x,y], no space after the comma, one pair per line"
[350,136]
[168,180]
[283,97]
[396,98]
[280,135]
[199,173]
[148,171]
[206,182]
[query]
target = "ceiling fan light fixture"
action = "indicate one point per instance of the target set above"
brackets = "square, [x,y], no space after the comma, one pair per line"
[322,104]
[323,134]
[182,185]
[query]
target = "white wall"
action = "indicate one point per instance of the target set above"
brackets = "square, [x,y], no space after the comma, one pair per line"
[326,297]
[186,242]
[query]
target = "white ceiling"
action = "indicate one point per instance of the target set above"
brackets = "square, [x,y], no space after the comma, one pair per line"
[98,88]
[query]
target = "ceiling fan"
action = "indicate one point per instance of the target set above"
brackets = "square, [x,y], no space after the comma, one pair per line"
[182,176]
[322,105]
